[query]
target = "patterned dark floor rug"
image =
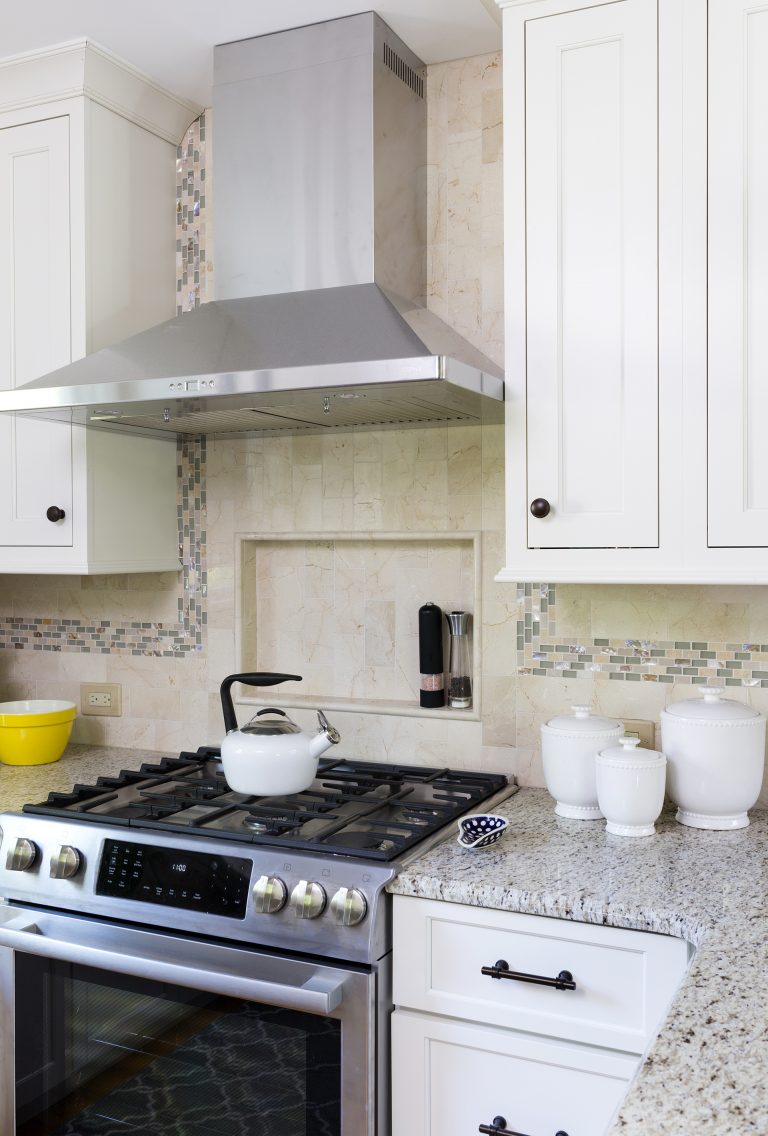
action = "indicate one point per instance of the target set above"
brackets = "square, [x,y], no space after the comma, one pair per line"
[246,1074]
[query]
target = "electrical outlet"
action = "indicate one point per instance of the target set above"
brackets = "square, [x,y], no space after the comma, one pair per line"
[104,698]
[642,729]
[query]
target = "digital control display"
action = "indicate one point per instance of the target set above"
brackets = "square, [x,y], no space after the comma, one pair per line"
[216,885]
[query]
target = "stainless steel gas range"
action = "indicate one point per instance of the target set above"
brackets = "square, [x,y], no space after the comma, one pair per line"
[180,959]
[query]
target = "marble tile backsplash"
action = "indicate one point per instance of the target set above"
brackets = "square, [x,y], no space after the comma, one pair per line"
[340,598]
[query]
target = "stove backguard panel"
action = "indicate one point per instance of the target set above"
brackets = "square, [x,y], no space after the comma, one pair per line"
[343,613]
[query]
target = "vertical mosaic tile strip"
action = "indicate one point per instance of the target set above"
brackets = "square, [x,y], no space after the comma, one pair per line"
[193,267]
[541,652]
[193,278]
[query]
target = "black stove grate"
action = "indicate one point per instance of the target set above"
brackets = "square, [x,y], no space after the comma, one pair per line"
[353,808]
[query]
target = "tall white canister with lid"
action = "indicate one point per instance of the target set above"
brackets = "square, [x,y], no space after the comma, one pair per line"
[569,745]
[715,751]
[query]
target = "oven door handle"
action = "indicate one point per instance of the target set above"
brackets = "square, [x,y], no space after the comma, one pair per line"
[314,993]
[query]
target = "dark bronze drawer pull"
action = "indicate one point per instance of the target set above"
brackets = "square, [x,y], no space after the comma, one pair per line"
[498,1127]
[564,980]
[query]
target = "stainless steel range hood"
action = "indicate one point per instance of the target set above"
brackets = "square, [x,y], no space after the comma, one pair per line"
[320,255]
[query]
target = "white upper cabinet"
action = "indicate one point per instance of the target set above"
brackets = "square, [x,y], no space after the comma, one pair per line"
[35,329]
[87,257]
[591,276]
[636,266]
[738,272]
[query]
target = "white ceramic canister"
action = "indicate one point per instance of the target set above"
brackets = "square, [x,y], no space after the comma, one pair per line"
[569,745]
[630,787]
[716,752]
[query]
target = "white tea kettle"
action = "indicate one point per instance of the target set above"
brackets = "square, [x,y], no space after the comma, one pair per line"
[270,756]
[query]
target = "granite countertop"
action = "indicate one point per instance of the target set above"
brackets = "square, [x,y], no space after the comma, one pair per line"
[30,784]
[707,1072]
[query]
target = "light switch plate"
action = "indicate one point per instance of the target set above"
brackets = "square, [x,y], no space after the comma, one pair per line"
[101,698]
[642,729]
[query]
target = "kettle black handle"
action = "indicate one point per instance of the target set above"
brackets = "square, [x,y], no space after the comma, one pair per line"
[258,678]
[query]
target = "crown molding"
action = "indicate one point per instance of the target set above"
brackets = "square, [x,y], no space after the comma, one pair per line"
[83,68]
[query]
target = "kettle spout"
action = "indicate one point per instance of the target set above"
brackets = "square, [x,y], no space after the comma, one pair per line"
[327,736]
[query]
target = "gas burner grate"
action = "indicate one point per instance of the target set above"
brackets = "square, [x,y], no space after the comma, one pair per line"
[354,808]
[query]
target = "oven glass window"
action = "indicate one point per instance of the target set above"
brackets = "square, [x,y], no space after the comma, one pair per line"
[99,1054]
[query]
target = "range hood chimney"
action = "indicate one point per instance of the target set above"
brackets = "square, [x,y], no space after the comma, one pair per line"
[320,262]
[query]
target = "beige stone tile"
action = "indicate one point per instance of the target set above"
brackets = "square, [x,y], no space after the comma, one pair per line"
[574,611]
[465,512]
[307,450]
[644,700]
[698,613]
[367,445]
[539,699]
[498,711]
[338,466]
[152,702]
[89,731]
[307,494]
[529,770]
[628,612]
[491,122]
[379,633]
[338,514]
[368,504]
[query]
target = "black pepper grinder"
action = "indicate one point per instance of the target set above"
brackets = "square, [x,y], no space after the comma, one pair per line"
[459,681]
[432,687]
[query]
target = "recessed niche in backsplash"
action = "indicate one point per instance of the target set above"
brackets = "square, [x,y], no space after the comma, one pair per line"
[342,611]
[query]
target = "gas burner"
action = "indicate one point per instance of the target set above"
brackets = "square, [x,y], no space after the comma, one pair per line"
[254,824]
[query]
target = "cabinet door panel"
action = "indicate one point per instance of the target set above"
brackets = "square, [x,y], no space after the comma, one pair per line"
[738,273]
[35,456]
[448,1078]
[592,277]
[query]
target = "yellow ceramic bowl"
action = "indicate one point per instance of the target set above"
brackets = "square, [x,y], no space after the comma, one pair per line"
[35,732]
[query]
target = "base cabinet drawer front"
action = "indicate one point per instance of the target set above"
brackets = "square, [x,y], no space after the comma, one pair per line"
[449,1078]
[624,979]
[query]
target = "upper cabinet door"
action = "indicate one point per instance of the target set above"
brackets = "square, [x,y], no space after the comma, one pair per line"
[738,273]
[35,335]
[592,276]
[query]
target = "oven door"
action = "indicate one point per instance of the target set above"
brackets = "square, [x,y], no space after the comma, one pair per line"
[108,1030]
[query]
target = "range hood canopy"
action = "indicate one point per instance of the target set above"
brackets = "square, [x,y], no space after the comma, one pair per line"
[320,221]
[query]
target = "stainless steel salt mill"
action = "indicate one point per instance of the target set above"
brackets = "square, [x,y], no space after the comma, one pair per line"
[459,680]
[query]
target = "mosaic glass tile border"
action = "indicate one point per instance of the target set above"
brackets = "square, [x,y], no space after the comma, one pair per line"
[541,652]
[193,278]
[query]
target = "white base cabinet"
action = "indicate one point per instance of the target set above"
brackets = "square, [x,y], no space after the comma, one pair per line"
[636,262]
[468,1047]
[452,1077]
[87,251]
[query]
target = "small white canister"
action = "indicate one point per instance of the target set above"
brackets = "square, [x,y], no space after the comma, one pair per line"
[569,745]
[630,787]
[716,752]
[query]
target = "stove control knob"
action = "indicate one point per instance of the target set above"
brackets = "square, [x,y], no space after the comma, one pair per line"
[308,899]
[269,895]
[65,863]
[22,856]
[349,907]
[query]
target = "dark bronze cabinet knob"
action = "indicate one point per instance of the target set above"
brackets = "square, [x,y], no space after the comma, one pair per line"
[540,508]
[54,513]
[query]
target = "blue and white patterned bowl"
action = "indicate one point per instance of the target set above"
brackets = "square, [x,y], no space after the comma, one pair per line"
[481,830]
